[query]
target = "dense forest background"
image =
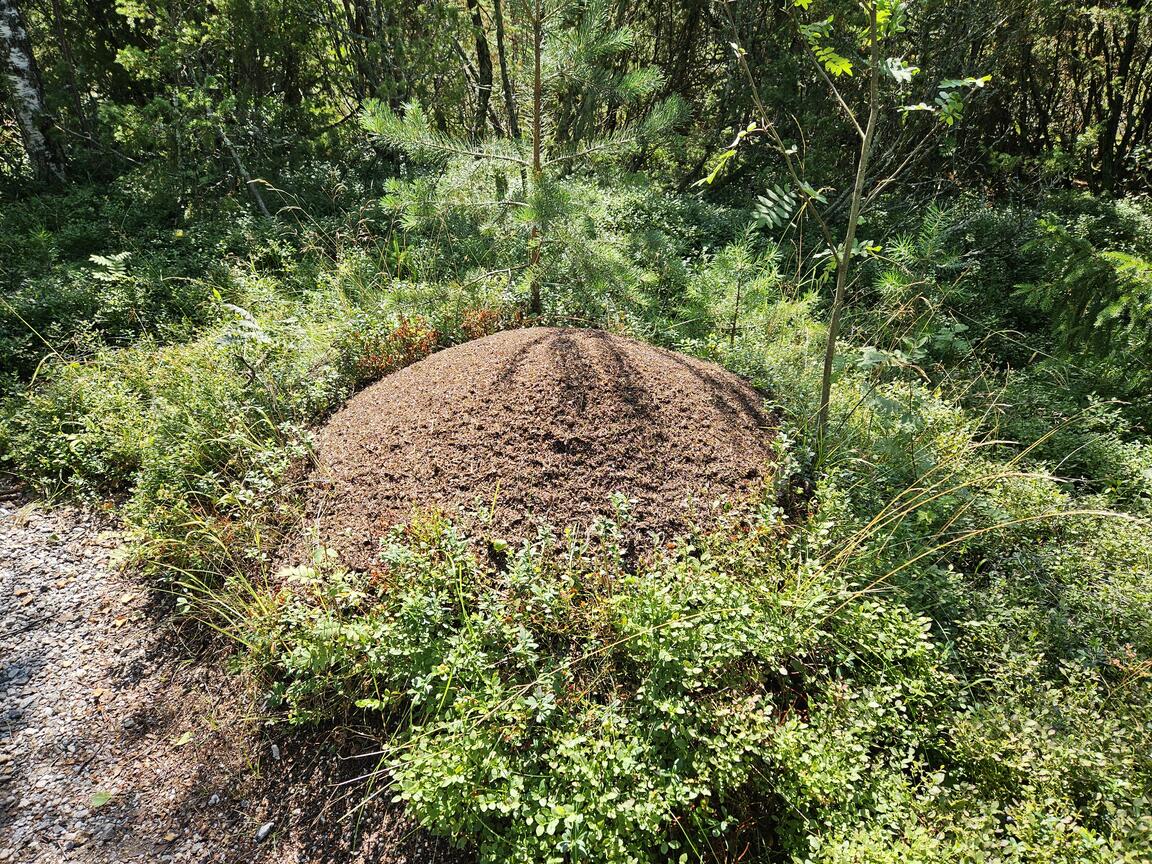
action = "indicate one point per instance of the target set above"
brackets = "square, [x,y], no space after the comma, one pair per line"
[923,228]
[125,83]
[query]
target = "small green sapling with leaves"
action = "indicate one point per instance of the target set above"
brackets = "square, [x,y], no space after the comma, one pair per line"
[839,48]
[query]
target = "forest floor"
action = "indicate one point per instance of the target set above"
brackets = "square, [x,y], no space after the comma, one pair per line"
[124,736]
[115,746]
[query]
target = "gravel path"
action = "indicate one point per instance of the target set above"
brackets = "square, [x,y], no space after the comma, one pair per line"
[115,747]
[95,763]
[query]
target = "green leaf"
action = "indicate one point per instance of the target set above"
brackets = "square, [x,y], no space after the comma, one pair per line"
[813,193]
[919,106]
[834,63]
[717,167]
[871,356]
[776,206]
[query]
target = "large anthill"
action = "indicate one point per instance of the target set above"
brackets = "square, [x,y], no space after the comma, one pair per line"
[538,425]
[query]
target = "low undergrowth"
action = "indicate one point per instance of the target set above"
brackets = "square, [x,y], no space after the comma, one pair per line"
[958,673]
[564,709]
[202,440]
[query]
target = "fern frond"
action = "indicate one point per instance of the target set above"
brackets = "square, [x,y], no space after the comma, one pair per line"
[110,268]
[1097,298]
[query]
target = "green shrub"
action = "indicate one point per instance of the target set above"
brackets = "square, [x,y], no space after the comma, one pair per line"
[750,691]
[562,708]
[1078,434]
[936,649]
[931,661]
[82,430]
[368,351]
[199,436]
[89,268]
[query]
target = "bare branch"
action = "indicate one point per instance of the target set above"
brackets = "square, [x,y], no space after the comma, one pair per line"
[769,128]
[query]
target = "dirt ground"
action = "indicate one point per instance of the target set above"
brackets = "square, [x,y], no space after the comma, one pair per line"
[115,747]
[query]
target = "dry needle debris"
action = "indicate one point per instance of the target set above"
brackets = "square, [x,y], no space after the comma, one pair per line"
[539,426]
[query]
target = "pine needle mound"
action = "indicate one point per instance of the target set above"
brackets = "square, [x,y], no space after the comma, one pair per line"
[534,426]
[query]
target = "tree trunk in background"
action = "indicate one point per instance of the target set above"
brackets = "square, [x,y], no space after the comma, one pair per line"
[65,47]
[1115,91]
[358,33]
[505,75]
[483,70]
[28,95]
[534,303]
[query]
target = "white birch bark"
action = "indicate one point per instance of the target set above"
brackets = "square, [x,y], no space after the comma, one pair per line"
[27,93]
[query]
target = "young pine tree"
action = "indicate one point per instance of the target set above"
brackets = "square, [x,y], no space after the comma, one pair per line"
[566,78]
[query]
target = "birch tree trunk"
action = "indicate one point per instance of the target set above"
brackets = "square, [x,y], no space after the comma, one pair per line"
[27,95]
